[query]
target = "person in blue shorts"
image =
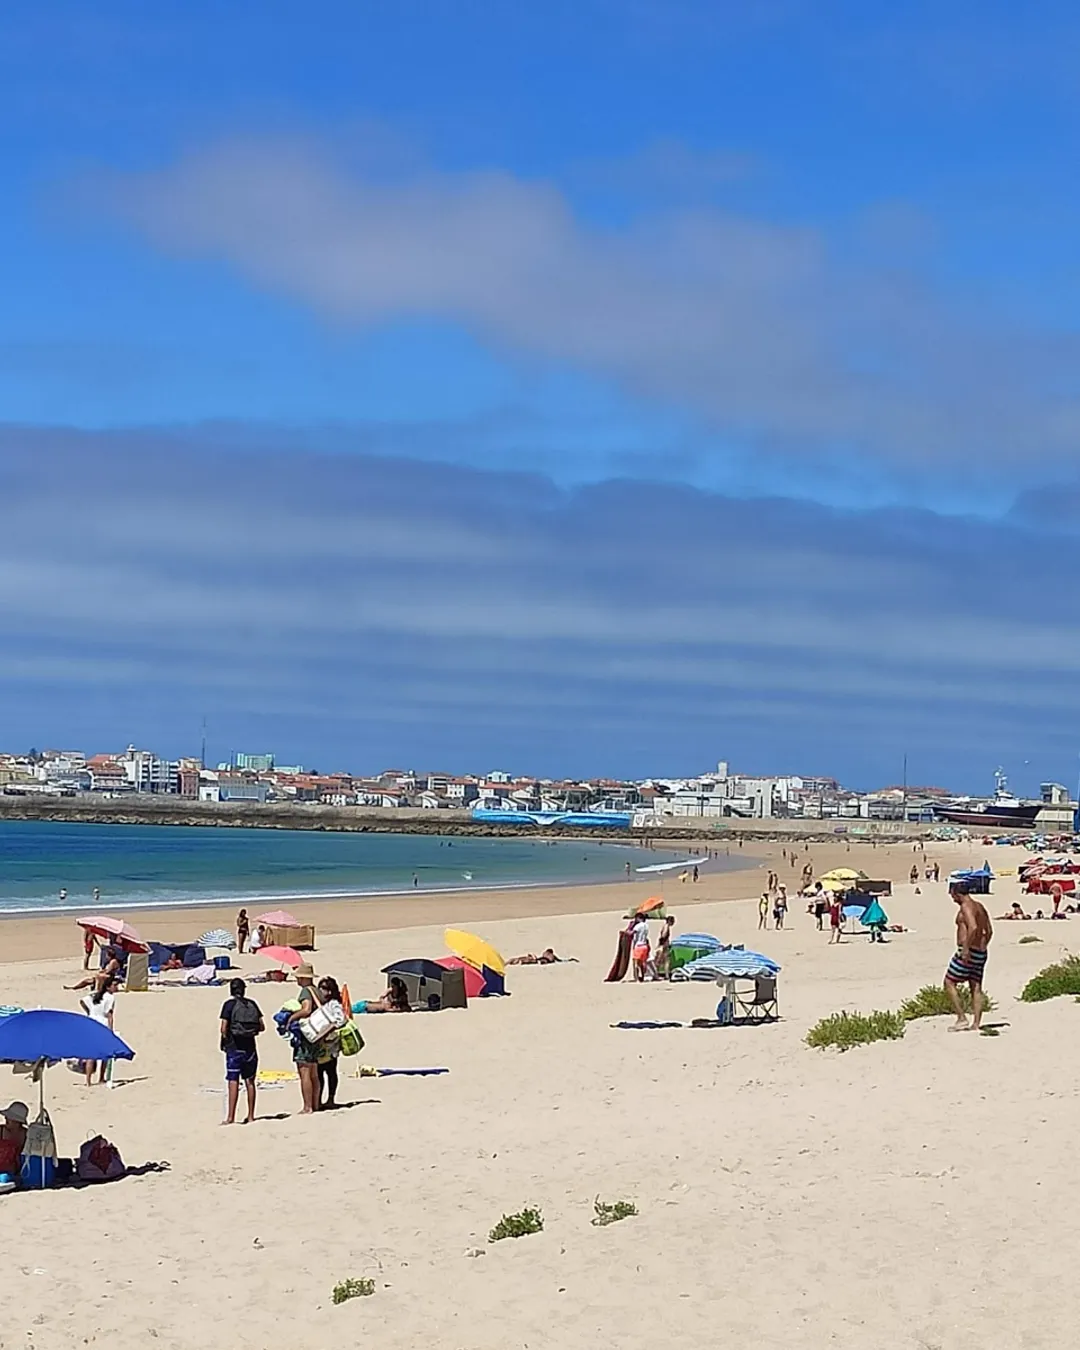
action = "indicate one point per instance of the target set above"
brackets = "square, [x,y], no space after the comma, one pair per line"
[241,1022]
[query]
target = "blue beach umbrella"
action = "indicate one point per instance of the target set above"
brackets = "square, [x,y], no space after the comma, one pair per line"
[46,1035]
[50,1035]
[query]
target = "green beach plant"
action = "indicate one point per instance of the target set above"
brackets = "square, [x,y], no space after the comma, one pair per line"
[844,1029]
[1063,977]
[364,1287]
[932,1001]
[526,1221]
[605,1213]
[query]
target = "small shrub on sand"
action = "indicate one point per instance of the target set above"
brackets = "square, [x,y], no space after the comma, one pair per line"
[527,1221]
[932,1001]
[1029,937]
[844,1029]
[347,1289]
[1063,977]
[605,1213]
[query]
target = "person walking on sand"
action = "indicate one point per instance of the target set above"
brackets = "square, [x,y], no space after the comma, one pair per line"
[780,908]
[695,871]
[241,1020]
[763,910]
[243,930]
[973,934]
[836,918]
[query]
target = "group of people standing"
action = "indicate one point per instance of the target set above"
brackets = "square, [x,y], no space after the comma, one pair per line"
[643,963]
[241,1023]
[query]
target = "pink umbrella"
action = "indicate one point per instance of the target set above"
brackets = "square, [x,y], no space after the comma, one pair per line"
[279,918]
[288,956]
[116,930]
[474,980]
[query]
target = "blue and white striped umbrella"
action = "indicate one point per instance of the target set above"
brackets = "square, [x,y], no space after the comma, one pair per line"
[726,965]
[218,937]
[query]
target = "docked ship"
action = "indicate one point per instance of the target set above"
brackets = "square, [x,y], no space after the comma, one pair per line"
[1002,812]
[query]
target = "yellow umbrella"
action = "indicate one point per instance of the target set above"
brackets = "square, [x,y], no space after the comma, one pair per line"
[843,874]
[834,884]
[475,950]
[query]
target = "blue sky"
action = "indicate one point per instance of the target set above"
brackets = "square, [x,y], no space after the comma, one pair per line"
[729,350]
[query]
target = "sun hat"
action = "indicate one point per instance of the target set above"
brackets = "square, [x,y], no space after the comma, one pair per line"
[304,972]
[18,1112]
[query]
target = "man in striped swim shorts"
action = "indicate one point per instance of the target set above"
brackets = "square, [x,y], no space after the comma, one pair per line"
[973,934]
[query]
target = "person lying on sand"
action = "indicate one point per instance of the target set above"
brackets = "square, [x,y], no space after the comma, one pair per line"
[546,958]
[1017,912]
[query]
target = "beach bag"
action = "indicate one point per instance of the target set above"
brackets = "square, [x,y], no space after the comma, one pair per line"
[245,1018]
[326,1018]
[40,1140]
[99,1161]
[350,1041]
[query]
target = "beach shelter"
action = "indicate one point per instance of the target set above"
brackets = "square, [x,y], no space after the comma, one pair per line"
[116,931]
[475,984]
[429,985]
[283,930]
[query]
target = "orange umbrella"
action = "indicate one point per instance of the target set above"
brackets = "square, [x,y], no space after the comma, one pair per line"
[647,906]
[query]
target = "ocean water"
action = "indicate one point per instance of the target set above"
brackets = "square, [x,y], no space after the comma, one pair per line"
[147,865]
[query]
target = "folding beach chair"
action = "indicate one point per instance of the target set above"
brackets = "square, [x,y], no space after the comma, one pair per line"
[762,1005]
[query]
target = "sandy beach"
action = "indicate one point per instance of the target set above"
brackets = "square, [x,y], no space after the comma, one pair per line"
[907,1194]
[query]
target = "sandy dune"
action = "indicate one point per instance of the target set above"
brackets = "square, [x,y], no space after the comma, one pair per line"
[913,1194]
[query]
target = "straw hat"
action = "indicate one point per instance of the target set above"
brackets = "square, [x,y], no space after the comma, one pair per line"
[18,1113]
[304,972]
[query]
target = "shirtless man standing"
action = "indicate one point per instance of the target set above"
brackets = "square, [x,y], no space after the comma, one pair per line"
[973,934]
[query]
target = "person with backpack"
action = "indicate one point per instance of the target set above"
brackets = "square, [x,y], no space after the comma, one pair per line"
[241,1022]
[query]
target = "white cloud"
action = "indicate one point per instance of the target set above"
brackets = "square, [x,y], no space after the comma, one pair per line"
[758,329]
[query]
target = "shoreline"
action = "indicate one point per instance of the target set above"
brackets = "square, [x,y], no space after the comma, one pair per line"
[28,937]
[244,899]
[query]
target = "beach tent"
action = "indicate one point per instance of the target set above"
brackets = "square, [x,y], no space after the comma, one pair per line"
[429,985]
[191,955]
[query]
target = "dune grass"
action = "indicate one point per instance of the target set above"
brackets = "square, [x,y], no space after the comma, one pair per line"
[606,1214]
[844,1029]
[1063,977]
[932,1001]
[526,1221]
[364,1287]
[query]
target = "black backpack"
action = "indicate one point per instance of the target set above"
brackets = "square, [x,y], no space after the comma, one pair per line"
[245,1019]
